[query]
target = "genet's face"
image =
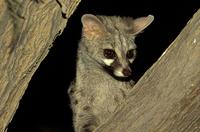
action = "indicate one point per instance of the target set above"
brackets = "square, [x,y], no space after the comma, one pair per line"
[119,54]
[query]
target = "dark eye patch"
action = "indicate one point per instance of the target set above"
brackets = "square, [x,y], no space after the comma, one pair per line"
[109,53]
[130,54]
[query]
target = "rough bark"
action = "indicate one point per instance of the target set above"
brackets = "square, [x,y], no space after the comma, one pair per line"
[167,97]
[27,31]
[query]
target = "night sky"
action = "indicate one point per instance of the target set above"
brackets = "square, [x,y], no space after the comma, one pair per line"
[45,105]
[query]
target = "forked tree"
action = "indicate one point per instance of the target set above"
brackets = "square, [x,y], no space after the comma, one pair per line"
[165,99]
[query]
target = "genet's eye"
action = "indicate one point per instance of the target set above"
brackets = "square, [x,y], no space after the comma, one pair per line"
[109,53]
[130,54]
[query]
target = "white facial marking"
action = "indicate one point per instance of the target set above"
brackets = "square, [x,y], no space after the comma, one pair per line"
[118,72]
[108,62]
[131,60]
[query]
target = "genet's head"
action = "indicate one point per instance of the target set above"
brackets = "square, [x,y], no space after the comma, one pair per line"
[110,40]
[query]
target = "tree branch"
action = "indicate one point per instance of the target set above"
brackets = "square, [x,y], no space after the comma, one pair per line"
[28,29]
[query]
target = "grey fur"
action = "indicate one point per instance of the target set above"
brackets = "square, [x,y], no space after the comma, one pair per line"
[95,94]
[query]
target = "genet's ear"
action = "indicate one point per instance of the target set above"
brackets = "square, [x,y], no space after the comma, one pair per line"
[139,24]
[92,26]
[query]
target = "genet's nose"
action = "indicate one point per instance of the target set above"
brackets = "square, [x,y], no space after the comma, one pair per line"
[127,72]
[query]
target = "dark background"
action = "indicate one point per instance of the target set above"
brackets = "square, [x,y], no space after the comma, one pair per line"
[45,105]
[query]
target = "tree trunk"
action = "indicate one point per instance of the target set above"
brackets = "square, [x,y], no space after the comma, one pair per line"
[27,31]
[167,97]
